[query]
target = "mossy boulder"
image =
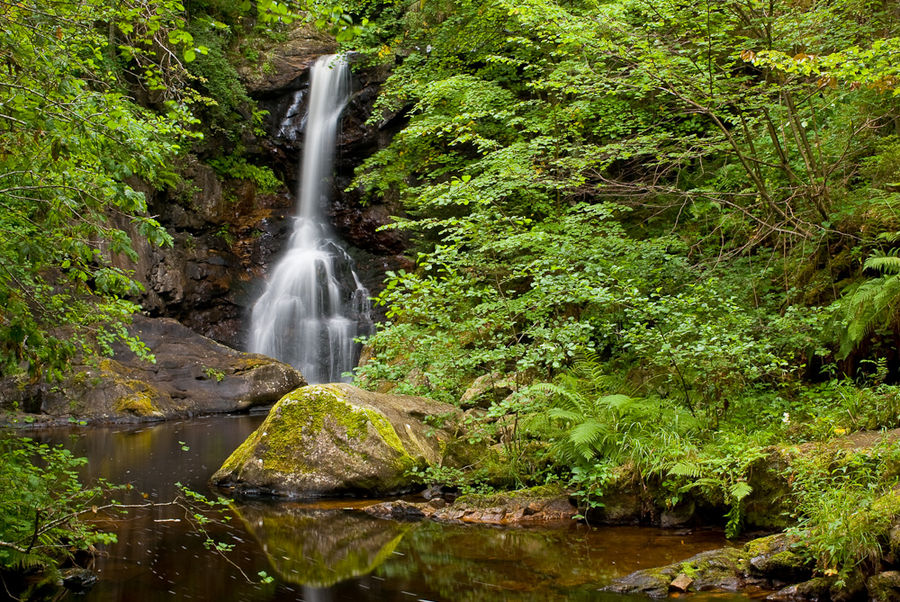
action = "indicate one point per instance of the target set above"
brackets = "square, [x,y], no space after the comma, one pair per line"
[884,586]
[778,558]
[337,439]
[722,569]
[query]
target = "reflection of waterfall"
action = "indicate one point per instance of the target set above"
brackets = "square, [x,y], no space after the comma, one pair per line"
[314,305]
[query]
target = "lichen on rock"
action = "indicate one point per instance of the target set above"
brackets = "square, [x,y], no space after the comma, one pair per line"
[336,439]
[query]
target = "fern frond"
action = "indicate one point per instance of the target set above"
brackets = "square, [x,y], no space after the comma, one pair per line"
[587,433]
[564,396]
[873,304]
[686,469]
[740,490]
[563,414]
[617,401]
[886,264]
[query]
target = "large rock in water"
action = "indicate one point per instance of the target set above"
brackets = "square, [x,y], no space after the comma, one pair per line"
[192,375]
[337,439]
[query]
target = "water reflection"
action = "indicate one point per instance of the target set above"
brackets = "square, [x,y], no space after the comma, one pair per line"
[320,548]
[320,552]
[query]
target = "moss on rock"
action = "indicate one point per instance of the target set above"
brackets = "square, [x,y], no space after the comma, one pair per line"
[333,439]
[530,494]
[139,403]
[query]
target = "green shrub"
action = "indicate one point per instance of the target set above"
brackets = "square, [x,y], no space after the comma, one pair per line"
[43,505]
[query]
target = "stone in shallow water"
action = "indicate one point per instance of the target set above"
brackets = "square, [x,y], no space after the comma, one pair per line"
[79,580]
[721,569]
[538,505]
[337,439]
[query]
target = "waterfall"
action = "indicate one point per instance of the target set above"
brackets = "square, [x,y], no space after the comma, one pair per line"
[314,305]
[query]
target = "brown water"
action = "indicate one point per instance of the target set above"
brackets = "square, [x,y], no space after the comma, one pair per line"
[324,552]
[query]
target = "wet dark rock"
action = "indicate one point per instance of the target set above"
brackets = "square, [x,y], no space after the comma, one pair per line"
[721,569]
[78,580]
[814,590]
[281,66]
[629,500]
[650,582]
[192,375]
[225,234]
[400,510]
[768,508]
[774,559]
[438,492]
[678,516]
[338,439]
[624,503]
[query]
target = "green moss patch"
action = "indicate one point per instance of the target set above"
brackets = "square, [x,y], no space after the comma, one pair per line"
[138,403]
[491,500]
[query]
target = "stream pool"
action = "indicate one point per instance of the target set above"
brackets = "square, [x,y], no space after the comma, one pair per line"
[323,550]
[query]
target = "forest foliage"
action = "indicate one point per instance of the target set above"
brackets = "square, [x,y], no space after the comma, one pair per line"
[702,181]
[666,231]
[669,228]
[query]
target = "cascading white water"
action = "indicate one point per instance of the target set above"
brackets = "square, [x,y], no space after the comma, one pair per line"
[314,305]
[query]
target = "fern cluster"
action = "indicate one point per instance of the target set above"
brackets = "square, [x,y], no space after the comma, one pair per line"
[871,304]
[600,421]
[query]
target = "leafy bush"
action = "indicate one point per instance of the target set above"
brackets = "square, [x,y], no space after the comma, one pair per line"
[237,167]
[44,505]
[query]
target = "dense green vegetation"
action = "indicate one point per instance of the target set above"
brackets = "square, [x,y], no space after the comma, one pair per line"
[97,100]
[663,233]
[666,231]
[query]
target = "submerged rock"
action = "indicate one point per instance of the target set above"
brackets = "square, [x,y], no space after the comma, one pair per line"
[192,375]
[79,580]
[337,439]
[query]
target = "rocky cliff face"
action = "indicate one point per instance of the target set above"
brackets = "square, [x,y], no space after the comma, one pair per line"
[228,232]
